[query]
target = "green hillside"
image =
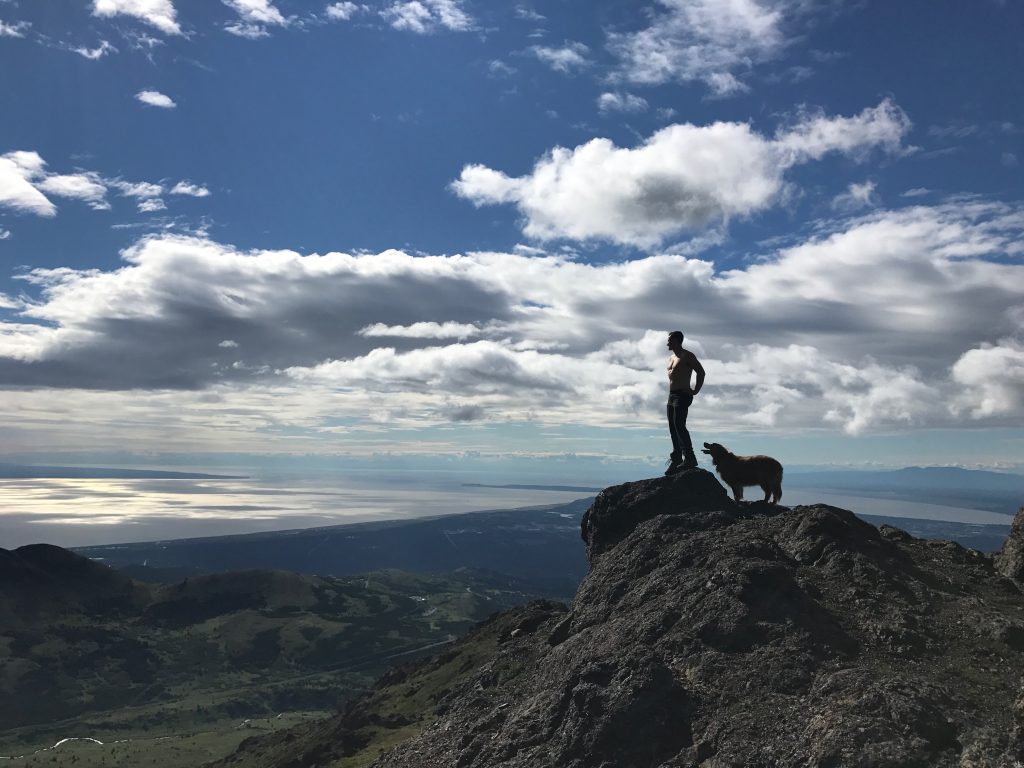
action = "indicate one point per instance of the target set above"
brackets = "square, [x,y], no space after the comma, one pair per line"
[181,673]
[403,702]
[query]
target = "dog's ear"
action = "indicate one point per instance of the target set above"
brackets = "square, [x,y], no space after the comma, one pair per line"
[707,445]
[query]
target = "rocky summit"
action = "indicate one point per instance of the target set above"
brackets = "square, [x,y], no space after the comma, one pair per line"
[711,633]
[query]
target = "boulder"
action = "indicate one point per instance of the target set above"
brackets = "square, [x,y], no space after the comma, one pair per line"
[1010,560]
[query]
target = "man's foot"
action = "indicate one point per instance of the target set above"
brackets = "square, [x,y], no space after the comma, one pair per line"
[676,468]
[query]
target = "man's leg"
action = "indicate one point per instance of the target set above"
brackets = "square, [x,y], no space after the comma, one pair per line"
[682,456]
[689,458]
[676,457]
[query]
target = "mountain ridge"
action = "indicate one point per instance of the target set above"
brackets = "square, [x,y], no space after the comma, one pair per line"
[714,634]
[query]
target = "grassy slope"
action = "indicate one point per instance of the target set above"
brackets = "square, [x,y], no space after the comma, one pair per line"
[403,703]
[175,681]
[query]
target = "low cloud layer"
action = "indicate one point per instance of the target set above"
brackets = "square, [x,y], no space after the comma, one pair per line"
[682,179]
[907,318]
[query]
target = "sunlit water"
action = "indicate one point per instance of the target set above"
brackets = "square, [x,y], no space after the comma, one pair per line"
[78,512]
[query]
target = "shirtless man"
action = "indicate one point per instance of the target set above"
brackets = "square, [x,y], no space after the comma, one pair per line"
[681,367]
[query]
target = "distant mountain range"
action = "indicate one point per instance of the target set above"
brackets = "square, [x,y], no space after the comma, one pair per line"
[948,478]
[951,486]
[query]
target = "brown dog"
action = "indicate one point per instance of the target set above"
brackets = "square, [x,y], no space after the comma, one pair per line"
[739,471]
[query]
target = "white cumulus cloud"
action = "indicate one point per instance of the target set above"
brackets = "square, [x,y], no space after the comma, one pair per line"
[156,99]
[856,196]
[96,53]
[426,16]
[17,169]
[152,204]
[991,378]
[815,133]
[707,41]
[16,29]
[26,185]
[257,11]
[188,188]
[621,102]
[683,178]
[254,16]
[529,14]
[158,13]
[422,330]
[342,11]
[907,318]
[88,187]
[140,189]
[147,194]
[566,58]
[497,68]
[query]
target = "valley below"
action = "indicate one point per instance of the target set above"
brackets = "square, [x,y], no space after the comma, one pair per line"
[186,652]
[179,674]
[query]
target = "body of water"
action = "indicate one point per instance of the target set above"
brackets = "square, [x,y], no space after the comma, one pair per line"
[83,512]
[868,505]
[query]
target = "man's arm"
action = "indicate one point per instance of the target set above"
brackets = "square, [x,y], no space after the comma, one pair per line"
[699,369]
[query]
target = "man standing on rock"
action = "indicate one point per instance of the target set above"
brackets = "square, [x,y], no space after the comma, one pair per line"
[681,367]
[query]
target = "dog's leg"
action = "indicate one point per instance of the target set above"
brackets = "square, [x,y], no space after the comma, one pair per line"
[767,491]
[737,492]
[777,492]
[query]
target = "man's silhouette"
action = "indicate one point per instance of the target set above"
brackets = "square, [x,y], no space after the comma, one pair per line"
[681,367]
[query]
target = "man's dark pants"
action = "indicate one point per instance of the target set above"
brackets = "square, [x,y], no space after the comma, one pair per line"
[678,406]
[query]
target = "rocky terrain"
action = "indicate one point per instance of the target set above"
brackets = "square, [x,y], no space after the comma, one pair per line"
[715,634]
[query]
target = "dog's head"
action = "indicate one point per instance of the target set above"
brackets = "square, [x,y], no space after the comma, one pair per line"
[715,450]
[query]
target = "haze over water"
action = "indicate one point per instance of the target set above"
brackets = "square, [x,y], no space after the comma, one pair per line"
[917,510]
[88,511]
[80,512]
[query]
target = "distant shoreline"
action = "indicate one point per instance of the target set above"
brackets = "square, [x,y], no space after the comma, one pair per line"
[531,487]
[31,472]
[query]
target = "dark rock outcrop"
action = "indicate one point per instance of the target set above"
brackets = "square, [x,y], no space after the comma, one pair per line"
[1010,560]
[715,634]
[618,510]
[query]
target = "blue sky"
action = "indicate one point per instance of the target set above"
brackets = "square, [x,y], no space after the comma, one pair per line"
[444,228]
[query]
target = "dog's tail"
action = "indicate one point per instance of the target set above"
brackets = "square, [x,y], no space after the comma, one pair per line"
[777,489]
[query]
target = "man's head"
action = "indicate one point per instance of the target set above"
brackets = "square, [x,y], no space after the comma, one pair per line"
[675,341]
